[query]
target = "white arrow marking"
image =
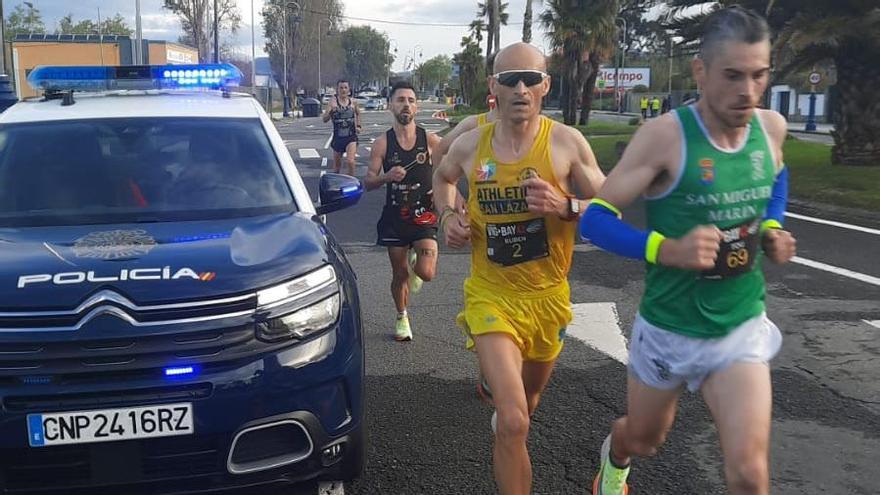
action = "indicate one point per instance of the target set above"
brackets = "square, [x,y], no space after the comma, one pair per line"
[875,323]
[310,126]
[308,153]
[598,326]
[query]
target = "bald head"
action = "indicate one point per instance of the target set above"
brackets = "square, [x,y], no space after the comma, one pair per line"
[520,56]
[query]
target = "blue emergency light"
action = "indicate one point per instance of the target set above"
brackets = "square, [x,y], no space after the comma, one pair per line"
[133,77]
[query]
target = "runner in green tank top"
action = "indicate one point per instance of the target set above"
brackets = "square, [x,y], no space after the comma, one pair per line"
[715,190]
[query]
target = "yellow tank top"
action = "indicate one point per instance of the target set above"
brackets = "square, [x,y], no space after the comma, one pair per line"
[515,251]
[481,119]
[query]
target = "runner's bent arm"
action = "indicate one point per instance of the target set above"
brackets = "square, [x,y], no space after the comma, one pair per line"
[585,173]
[328,114]
[453,223]
[434,143]
[777,129]
[465,125]
[375,178]
[641,165]
[574,164]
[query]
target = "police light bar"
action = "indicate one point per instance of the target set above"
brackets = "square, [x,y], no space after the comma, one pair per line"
[136,77]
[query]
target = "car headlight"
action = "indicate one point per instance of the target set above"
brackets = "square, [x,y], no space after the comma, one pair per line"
[303,322]
[299,288]
[314,310]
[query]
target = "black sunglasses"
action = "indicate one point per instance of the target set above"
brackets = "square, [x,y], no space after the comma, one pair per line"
[511,78]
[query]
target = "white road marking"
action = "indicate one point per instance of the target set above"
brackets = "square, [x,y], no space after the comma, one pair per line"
[327,144]
[833,223]
[837,270]
[308,153]
[368,148]
[875,323]
[598,325]
[324,162]
[310,126]
[331,488]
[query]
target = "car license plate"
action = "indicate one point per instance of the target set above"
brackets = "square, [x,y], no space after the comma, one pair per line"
[107,425]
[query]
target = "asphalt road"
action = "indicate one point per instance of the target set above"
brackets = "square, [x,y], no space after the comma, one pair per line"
[430,435]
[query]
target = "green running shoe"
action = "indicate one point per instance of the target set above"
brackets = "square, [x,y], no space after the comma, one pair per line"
[611,480]
[402,331]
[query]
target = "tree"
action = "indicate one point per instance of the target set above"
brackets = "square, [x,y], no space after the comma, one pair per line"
[302,28]
[582,32]
[475,30]
[197,21]
[494,12]
[435,72]
[111,25]
[527,21]
[843,32]
[24,21]
[471,70]
[366,55]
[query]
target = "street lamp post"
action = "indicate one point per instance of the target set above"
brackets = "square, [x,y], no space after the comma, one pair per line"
[253,51]
[321,35]
[415,65]
[618,87]
[388,58]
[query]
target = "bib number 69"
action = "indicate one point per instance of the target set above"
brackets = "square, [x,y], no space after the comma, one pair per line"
[738,258]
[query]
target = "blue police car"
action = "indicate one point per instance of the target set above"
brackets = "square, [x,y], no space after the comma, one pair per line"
[175,317]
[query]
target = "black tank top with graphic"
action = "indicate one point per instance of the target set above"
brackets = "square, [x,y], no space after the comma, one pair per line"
[411,200]
[343,120]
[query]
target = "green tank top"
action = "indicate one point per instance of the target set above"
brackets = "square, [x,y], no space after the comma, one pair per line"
[727,188]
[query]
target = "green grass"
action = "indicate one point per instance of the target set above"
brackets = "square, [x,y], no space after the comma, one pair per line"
[464,111]
[602,128]
[812,176]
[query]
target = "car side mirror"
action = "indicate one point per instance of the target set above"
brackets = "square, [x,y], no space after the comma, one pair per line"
[338,191]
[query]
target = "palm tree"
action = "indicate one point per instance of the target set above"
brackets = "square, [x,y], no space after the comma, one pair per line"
[527,21]
[582,33]
[843,32]
[494,12]
[475,30]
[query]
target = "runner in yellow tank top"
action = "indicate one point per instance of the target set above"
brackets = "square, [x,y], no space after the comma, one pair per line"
[521,223]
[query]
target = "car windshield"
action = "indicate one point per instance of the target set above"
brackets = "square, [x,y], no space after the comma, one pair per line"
[138,170]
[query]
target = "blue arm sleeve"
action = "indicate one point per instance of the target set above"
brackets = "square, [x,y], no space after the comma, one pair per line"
[601,226]
[779,198]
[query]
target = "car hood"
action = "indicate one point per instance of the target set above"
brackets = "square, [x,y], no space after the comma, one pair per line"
[45,268]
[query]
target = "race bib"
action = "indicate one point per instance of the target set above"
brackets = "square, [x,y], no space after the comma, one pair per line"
[517,242]
[739,248]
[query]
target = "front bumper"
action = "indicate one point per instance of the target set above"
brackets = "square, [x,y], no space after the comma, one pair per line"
[317,386]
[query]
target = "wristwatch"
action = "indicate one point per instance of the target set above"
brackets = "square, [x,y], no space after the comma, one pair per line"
[574,208]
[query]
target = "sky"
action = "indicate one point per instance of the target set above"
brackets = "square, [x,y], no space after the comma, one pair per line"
[160,24]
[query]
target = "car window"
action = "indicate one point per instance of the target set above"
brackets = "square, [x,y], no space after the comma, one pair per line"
[138,170]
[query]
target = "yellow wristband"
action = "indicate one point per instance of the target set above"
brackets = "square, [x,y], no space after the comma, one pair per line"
[770,224]
[606,204]
[652,247]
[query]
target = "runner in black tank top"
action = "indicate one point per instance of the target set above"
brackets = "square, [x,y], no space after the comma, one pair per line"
[346,122]
[401,161]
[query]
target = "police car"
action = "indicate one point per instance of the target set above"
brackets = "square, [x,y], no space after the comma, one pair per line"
[174,315]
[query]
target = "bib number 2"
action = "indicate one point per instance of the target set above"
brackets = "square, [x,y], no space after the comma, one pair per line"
[516,242]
